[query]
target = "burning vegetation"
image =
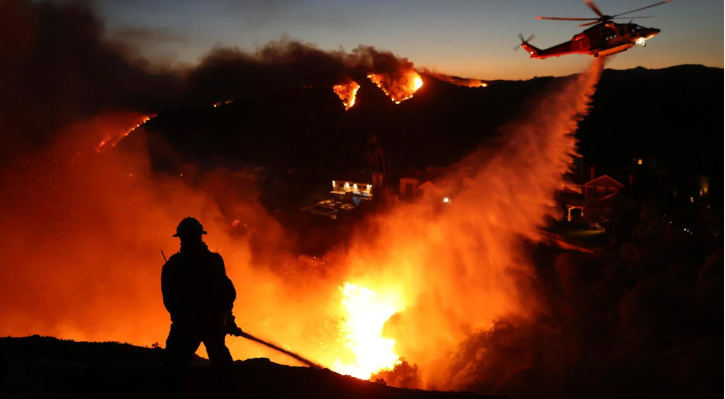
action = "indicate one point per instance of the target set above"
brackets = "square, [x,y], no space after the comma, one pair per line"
[115,139]
[347,92]
[365,313]
[399,86]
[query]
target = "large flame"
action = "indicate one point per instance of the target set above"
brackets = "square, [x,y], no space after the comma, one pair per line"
[347,92]
[399,86]
[365,313]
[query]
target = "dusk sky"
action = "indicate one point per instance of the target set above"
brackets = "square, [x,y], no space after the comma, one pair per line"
[470,38]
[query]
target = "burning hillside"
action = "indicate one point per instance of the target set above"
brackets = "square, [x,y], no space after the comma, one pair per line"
[421,295]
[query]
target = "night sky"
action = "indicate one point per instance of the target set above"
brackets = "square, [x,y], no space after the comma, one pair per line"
[471,38]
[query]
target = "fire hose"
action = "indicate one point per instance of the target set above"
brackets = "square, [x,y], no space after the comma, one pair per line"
[239,333]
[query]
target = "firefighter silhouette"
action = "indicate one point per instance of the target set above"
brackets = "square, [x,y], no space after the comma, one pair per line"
[199,298]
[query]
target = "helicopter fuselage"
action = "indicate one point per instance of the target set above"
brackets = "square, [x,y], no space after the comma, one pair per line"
[603,39]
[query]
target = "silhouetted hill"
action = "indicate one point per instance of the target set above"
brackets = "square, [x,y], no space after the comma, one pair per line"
[48,367]
[673,114]
[670,116]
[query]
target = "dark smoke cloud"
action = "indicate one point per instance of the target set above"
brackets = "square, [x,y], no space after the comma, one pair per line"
[228,72]
[55,69]
[58,67]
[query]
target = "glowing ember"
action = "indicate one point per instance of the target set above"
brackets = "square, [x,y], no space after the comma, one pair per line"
[347,92]
[115,139]
[400,87]
[365,314]
[223,103]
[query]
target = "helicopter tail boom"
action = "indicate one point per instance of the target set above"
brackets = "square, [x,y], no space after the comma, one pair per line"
[533,51]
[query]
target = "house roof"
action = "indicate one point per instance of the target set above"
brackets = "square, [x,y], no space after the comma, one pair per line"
[601,179]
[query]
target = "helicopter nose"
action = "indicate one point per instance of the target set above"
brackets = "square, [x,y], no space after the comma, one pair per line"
[652,32]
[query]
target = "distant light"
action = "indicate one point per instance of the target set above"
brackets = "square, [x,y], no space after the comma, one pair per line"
[181,174]
[692,199]
[446,200]
[639,162]
[333,183]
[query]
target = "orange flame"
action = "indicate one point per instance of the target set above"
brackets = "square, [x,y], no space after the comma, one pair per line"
[400,87]
[365,314]
[115,139]
[347,92]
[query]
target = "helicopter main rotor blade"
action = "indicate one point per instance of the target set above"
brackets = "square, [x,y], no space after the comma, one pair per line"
[643,8]
[590,23]
[594,8]
[569,19]
[643,16]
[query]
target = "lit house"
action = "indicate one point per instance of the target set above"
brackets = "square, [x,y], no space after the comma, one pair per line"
[577,198]
[350,191]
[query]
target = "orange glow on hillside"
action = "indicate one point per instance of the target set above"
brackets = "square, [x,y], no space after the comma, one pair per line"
[456,80]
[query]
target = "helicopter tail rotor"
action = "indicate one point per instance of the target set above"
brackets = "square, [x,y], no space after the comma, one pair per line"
[524,41]
[533,51]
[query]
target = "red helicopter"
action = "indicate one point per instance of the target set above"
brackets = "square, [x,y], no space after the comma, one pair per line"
[603,39]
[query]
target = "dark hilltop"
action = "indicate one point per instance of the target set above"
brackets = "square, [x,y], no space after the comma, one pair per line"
[40,367]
